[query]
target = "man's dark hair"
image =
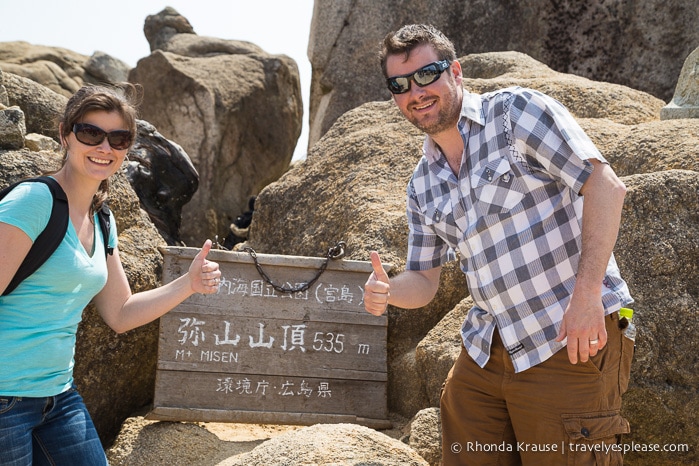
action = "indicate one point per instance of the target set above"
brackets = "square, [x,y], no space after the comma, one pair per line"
[407,38]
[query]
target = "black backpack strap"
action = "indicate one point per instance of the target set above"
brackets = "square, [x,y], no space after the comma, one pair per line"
[49,239]
[103,217]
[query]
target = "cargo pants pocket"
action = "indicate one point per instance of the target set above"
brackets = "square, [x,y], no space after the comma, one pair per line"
[594,439]
[627,352]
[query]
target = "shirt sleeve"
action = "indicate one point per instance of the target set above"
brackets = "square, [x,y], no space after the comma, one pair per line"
[27,207]
[551,139]
[426,250]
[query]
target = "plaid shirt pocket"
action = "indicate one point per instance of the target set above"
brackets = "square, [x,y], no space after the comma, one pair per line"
[497,190]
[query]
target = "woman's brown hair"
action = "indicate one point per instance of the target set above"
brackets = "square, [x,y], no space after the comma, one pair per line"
[122,98]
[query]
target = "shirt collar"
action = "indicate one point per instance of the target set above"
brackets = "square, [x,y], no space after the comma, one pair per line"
[471,108]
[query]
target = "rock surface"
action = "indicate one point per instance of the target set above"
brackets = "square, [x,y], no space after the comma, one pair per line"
[59,69]
[233,108]
[341,444]
[40,104]
[637,43]
[163,177]
[155,443]
[426,435]
[685,101]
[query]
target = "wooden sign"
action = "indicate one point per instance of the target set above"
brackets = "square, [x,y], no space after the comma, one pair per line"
[250,353]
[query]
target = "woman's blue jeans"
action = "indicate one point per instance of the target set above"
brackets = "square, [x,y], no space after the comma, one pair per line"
[54,430]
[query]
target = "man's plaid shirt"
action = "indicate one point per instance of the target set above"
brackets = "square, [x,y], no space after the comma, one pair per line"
[514,216]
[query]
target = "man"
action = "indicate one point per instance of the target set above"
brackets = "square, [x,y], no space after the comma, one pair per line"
[510,183]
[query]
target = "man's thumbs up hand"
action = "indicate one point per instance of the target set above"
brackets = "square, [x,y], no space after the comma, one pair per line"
[377,288]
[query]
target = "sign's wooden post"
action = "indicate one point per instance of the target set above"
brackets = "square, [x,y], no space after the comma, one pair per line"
[252,354]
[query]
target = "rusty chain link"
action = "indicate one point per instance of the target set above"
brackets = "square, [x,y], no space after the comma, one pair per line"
[334,253]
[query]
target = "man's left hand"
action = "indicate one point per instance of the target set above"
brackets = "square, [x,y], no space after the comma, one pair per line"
[583,325]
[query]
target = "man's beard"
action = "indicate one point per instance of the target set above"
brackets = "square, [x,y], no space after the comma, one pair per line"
[446,119]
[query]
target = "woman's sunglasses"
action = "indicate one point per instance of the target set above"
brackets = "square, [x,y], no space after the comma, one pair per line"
[422,77]
[91,135]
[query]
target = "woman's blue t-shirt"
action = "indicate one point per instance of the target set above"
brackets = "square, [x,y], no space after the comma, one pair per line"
[39,319]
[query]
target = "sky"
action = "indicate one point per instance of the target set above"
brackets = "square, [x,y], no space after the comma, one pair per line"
[116,28]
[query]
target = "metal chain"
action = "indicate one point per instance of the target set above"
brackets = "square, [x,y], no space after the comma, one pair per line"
[334,253]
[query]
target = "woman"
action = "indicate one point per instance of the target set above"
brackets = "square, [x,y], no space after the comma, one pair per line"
[43,419]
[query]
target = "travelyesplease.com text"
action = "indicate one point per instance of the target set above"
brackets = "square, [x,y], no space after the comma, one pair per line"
[562,447]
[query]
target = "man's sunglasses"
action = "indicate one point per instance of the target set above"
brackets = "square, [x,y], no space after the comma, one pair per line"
[422,77]
[91,135]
